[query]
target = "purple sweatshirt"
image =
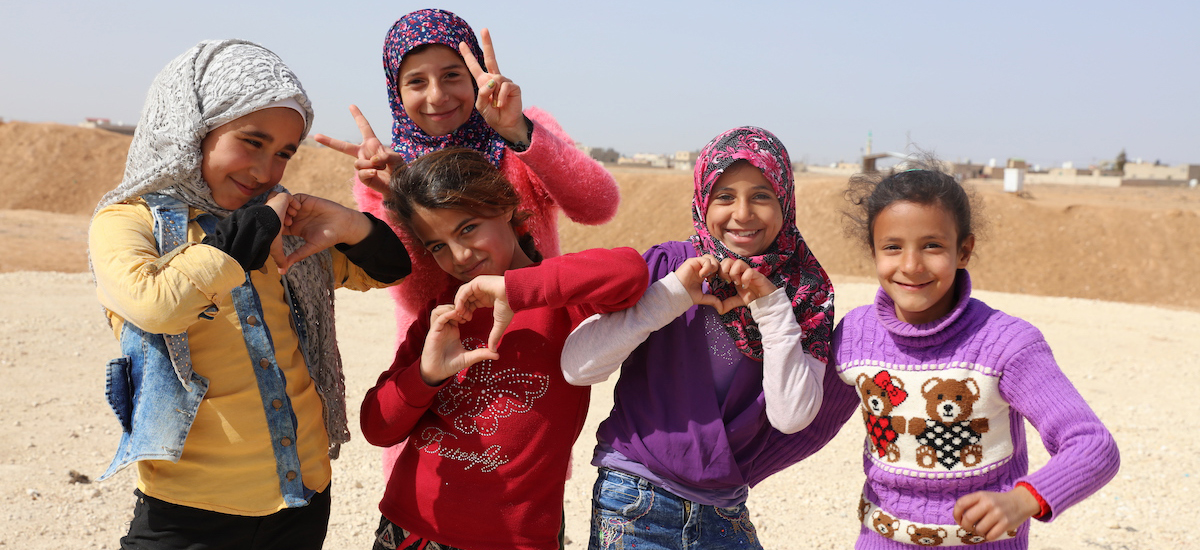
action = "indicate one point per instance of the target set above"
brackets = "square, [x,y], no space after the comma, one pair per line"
[944,405]
[671,424]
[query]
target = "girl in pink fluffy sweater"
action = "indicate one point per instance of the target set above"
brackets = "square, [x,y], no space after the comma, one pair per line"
[445,90]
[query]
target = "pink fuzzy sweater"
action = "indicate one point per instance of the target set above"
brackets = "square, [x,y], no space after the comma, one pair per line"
[550,175]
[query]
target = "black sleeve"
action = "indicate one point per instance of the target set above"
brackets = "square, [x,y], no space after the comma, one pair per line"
[246,235]
[521,147]
[381,255]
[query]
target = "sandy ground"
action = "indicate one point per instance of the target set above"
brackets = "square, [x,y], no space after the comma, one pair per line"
[55,422]
[1139,249]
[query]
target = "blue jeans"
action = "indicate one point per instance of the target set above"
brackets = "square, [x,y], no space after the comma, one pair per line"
[629,512]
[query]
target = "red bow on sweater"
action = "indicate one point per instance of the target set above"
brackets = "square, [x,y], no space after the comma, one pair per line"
[895,394]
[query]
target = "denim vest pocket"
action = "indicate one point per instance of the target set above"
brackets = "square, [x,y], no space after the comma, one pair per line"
[156,411]
[118,388]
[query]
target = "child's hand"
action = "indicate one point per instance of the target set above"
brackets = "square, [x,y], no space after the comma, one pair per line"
[443,355]
[321,223]
[374,163]
[499,99]
[692,274]
[750,284]
[485,291]
[992,514]
[279,203]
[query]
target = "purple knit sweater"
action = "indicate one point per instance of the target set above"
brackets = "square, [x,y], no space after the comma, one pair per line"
[944,405]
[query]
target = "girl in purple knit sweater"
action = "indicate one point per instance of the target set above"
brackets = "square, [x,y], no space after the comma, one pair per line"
[946,383]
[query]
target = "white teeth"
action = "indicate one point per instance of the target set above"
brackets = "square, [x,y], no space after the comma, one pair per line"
[744,233]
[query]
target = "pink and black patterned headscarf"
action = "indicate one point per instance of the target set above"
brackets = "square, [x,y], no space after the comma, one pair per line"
[433,27]
[787,262]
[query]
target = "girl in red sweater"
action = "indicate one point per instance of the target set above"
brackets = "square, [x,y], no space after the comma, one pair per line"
[476,388]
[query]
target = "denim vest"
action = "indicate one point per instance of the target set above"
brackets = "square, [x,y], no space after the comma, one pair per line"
[155,393]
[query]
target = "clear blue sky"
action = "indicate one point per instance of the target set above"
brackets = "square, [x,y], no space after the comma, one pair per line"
[1044,81]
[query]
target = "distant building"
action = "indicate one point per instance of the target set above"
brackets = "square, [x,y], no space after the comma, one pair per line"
[870,160]
[106,124]
[1068,175]
[965,170]
[603,155]
[686,160]
[1157,173]
[653,160]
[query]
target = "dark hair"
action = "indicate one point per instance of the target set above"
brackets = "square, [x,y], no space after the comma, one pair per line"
[922,181]
[460,179]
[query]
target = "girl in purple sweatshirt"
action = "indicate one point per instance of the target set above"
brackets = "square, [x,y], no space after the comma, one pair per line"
[946,383]
[712,400]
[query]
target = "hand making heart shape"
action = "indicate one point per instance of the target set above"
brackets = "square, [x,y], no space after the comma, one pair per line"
[750,284]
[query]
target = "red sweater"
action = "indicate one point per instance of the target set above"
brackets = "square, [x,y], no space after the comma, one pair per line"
[488,450]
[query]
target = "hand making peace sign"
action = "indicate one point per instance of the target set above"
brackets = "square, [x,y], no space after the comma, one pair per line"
[499,99]
[374,162]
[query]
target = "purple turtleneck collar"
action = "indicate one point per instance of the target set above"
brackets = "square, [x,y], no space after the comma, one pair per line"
[926,334]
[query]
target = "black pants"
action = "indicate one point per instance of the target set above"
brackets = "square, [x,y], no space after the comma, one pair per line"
[159,525]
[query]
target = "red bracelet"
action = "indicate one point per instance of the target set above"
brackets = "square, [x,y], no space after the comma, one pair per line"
[1043,507]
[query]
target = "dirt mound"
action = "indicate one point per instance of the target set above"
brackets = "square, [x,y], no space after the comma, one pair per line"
[66,169]
[1137,245]
[1129,244]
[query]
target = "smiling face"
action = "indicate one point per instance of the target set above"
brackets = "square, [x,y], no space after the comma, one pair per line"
[436,89]
[245,157]
[743,210]
[917,255]
[465,245]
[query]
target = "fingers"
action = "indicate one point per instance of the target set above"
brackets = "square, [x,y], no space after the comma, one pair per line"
[979,513]
[338,145]
[709,300]
[277,254]
[708,266]
[281,204]
[347,148]
[730,303]
[737,273]
[294,208]
[732,271]
[489,53]
[376,184]
[502,315]
[438,312]
[377,162]
[479,355]
[506,92]
[469,59]
[960,509]
[364,127]
[495,91]
[469,298]
[496,334]
[307,249]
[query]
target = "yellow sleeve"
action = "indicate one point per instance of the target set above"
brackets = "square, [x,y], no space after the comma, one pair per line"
[160,295]
[350,276]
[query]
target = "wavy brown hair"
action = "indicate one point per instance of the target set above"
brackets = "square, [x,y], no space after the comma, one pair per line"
[459,179]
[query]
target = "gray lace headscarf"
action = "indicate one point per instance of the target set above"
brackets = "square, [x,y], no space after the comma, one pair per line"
[211,84]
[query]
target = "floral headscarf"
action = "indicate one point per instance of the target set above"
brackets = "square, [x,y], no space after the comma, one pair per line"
[418,28]
[787,262]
